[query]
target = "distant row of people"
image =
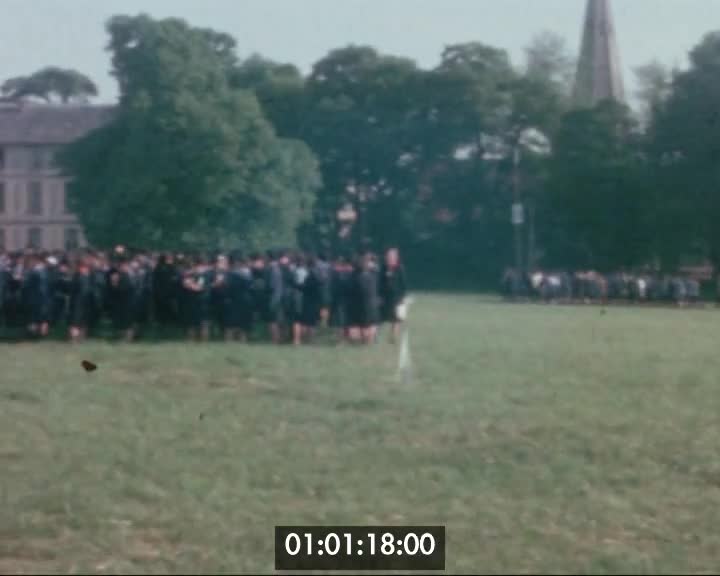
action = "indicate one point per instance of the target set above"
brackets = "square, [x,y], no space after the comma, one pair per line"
[284,295]
[591,286]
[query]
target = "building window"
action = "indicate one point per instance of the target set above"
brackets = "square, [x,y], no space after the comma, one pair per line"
[63,194]
[17,197]
[2,197]
[72,239]
[51,158]
[37,158]
[35,198]
[34,238]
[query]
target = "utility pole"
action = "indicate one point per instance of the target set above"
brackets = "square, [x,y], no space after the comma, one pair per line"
[531,235]
[363,226]
[518,215]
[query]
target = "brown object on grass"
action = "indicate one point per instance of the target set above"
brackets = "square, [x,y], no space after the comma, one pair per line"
[89,366]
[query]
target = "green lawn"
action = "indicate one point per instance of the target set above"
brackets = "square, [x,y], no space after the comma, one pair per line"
[545,438]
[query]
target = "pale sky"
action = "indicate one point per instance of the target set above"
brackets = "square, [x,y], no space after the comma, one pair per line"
[70,33]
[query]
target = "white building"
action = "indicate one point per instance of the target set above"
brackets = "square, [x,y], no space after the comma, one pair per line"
[33,200]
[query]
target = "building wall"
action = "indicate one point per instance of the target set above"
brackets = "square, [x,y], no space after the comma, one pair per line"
[26,171]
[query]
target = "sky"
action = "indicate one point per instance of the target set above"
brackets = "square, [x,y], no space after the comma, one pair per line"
[71,34]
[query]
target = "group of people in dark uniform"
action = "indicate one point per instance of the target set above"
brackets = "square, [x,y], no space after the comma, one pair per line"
[228,295]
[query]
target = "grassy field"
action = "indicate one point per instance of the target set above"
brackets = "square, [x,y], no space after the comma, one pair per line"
[551,439]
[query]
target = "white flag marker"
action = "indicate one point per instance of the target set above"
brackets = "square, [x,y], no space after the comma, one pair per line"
[404,359]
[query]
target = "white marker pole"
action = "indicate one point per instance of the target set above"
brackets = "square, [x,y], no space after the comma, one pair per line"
[404,359]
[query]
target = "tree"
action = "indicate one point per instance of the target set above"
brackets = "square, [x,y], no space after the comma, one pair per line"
[423,156]
[654,86]
[359,109]
[51,84]
[455,215]
[543,91]
[280,89]
[685,148]
[547,59]
[598,209]
[472,94]
[188,161]
[542,95]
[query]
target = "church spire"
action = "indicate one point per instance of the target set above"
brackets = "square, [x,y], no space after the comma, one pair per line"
[599,76]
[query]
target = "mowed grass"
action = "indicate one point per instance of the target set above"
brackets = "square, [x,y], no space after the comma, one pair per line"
[551,439]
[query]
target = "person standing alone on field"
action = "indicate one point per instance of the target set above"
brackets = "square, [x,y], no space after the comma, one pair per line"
[392,290]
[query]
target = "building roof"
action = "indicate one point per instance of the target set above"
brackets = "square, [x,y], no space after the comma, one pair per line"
[49,124]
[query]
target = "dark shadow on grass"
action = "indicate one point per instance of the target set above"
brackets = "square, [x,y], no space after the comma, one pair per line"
[153,336]
[22,397]
[363,405]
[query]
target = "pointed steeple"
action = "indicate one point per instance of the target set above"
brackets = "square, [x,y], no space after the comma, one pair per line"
[599,76]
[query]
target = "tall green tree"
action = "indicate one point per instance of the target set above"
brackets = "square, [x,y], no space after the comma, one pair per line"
[543,90]
[188,160]
[359,108]
[280,89]
[599,207]
[542,95]
[51,84]
[654,82]
[685,143]
[493,111]
[425,157]
[464,204]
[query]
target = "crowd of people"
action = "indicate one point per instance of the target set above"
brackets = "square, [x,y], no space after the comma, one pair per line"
[591,286]
[281,295]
